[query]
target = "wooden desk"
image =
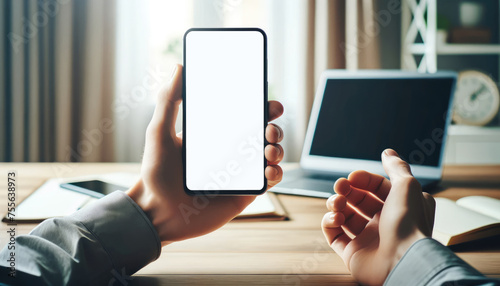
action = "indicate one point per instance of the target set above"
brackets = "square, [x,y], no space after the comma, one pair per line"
[285,252]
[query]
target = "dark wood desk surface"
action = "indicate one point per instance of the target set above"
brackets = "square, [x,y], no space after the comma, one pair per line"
[285,252]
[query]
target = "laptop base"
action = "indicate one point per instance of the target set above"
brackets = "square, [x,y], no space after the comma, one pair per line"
[311,184]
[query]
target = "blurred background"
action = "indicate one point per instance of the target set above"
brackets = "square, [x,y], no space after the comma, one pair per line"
[78,79]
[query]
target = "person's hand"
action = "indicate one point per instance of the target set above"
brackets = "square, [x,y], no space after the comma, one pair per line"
[373,221]
[160,193]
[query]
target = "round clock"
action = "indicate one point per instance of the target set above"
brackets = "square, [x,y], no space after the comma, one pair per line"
[477,99]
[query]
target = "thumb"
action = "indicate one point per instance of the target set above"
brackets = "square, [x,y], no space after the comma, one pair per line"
[167,106]
[394,166]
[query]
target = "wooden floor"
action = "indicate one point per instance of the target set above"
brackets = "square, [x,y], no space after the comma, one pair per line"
[263,253]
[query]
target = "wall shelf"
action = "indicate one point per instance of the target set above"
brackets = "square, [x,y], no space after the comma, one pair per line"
[458,49]
[474,145]
[468,49]
[458,130]
[419,38]
[420,51]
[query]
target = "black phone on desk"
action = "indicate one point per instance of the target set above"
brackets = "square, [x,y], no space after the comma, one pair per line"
[94,188]
[224,111]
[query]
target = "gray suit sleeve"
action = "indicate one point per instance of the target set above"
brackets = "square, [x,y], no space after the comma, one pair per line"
[103,243]
[428,262]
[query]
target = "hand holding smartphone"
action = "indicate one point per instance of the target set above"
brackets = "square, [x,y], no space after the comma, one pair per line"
[224,111]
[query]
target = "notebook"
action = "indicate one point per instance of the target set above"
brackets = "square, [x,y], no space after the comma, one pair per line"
[265,207]
[467,219]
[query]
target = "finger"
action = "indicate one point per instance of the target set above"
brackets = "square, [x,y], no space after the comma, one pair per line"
[179,137]
[334,234]
[333,220]
[275,109]
[336,203]
[394,166]
[354,222]
[274,153]
[373,183]
[363,201]
[274,133]
[274,174]
[167,107]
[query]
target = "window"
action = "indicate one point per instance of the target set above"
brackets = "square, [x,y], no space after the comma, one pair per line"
[150,42]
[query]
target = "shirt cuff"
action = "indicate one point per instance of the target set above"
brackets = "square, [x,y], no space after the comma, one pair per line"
[123,230]
[427,262]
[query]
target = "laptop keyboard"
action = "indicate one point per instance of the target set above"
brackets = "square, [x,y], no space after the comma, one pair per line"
[297,182]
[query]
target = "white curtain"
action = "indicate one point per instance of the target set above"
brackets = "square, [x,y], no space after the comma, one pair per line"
[136,82]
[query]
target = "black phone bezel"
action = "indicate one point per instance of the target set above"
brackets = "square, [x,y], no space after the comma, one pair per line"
[184,133]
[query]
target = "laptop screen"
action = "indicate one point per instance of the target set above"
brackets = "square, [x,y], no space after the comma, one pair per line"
[359,118]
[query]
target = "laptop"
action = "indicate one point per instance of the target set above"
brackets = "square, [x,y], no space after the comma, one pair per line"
[358,114]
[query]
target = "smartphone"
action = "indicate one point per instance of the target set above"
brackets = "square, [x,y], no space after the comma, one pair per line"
[94,188]
[224,111]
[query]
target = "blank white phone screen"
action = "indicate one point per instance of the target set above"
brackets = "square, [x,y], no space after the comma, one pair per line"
[224,108]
